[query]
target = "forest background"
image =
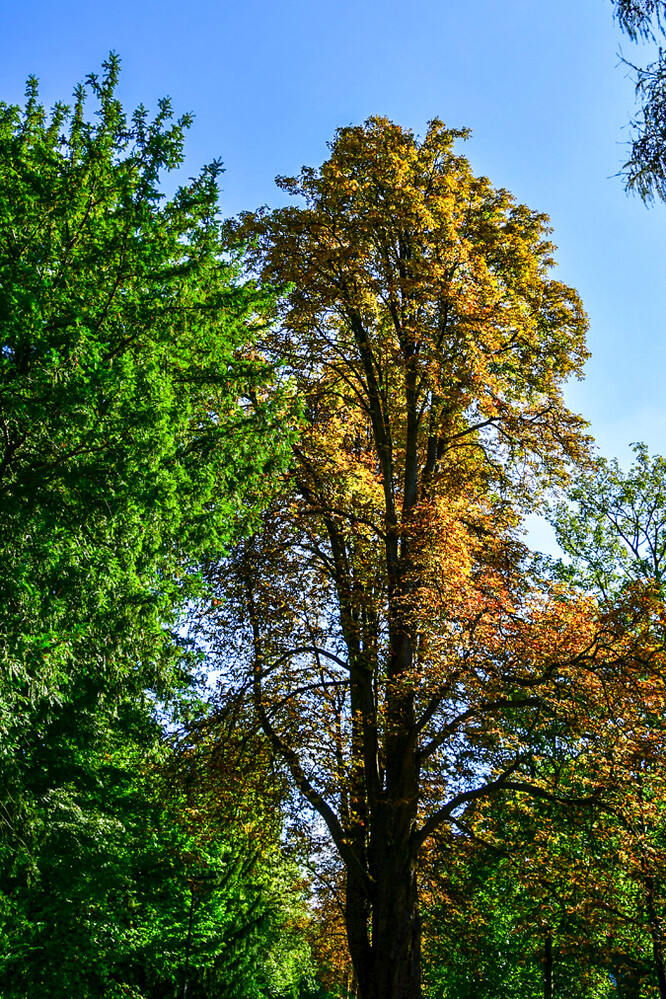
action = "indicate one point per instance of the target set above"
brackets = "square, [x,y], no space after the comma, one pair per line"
[548,120]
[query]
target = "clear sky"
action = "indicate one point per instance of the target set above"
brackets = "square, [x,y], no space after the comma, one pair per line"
[540,84]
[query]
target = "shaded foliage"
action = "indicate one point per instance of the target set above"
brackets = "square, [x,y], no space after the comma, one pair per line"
[119,857]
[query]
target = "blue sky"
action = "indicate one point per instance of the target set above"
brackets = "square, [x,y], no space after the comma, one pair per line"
[540,84]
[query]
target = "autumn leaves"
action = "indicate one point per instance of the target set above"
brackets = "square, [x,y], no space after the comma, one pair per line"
[421,663]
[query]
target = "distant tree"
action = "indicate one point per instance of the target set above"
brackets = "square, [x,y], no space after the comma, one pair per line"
[613,533]
[505,907]
[645,170]
[612,529]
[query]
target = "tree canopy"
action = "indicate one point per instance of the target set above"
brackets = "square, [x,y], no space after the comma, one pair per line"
[399,659]
[298,448]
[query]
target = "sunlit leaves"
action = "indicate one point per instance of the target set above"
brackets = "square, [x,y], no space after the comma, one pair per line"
[400,656]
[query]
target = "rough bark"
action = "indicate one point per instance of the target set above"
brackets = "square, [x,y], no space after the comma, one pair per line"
[396,929]
[387,961]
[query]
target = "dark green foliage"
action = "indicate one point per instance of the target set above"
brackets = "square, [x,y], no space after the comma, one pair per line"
[138,431]
[117,856]
[133,423]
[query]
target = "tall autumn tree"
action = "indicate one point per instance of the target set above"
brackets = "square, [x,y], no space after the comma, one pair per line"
[398,659]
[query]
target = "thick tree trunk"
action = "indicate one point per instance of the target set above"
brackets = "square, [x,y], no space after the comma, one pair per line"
[396,931]
[390,966]
[357,911]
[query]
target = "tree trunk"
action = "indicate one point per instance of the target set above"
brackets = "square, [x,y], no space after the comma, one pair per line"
[356,925]
[396,931]
[659,967]
[548,966]
[389,966]
[656,932]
